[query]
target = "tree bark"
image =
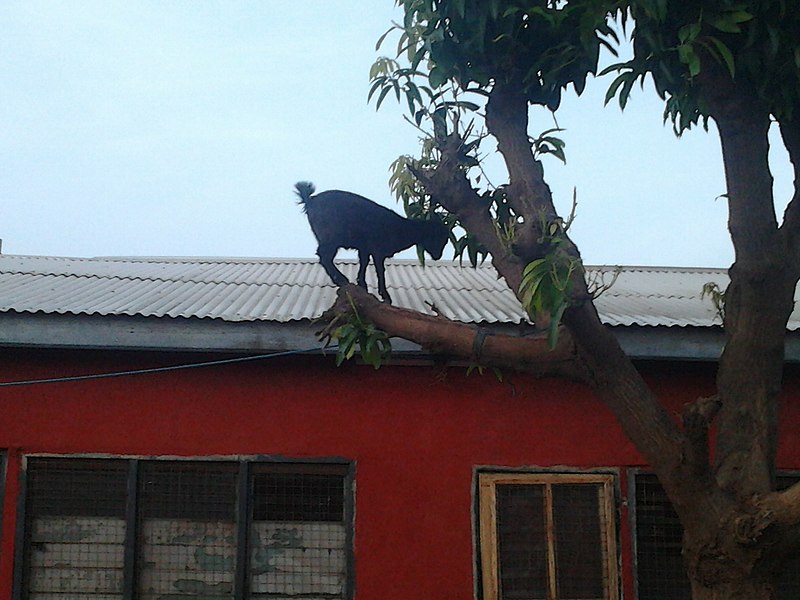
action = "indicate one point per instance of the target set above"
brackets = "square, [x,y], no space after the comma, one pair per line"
[527,192]
[443,337]
[760,296]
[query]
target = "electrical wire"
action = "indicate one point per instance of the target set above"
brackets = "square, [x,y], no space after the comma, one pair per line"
[210,363]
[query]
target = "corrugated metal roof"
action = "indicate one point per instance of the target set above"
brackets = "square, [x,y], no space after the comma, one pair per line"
[283,290]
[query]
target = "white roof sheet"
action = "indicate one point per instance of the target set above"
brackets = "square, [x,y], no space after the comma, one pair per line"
[282,290]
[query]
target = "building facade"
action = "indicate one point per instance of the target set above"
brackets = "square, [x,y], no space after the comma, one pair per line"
[148,455]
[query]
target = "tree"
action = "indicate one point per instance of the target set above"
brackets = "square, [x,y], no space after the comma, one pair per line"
[469,69]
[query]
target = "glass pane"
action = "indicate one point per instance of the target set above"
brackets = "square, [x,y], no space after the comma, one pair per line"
[521,542]
[297,537]
[75,528]
[187,529]
[579,541]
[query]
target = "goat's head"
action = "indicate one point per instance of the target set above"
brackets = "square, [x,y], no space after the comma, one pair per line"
[435,236]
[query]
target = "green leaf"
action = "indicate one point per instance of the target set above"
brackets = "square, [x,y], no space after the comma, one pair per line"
[418,56]
[720,51]
[625,92]
[382,95]
[612,89]
[724,23]
[741,16]
[375,86]
[694,65]
[437,77]
[555,321]
[383,37]
[689,33]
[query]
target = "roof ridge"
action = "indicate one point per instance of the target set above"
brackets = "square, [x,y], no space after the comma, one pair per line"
[301,260]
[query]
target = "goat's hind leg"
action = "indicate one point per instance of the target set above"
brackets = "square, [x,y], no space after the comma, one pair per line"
[363,261]
[326,256]
[380,270]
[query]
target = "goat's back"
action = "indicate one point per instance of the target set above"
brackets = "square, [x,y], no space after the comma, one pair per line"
[349,220]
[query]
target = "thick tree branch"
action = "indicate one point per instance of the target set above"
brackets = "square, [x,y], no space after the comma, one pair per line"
[772,521]
[783,506]
[620,386]
[527,192]
[449,185]
[697,418]
[790,132]
[743,123]
[445,337]
[507,119]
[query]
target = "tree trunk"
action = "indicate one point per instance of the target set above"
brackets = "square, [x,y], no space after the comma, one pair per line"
[758,303]
[744,588]
[729,551]
[736,529]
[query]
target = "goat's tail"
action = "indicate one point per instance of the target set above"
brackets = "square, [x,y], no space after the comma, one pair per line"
[304,190]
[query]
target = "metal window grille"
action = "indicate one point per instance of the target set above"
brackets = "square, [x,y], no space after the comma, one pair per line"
[187,524]
[297,536]
[99,529]
[75,523]
[522,541]
[659,565]
[578,521]
[660,572]
[547,536]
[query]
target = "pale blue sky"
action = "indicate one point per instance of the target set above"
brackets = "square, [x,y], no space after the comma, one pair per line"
[179,128]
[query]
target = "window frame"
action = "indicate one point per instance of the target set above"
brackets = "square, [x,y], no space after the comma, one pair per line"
[244,512]
[486,519]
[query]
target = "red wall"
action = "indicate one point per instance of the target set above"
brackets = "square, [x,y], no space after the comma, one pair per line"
[415,432]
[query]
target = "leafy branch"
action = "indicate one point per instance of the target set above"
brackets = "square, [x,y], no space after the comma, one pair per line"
[717,296]
[356,334]
[547,282]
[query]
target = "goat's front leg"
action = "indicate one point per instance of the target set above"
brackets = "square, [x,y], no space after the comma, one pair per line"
[363,261]
[326,255]
[380,269]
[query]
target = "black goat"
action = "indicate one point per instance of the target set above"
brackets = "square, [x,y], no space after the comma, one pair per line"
[344,220]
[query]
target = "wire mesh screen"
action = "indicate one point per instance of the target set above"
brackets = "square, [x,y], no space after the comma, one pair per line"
[521,541]
[297,537]
[578,530]
[75,513]
[660,570]
[187,529]
[186,524]
[659,564]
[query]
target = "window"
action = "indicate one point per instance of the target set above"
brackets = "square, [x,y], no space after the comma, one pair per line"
[660,573]
[547,536]
[100,529]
